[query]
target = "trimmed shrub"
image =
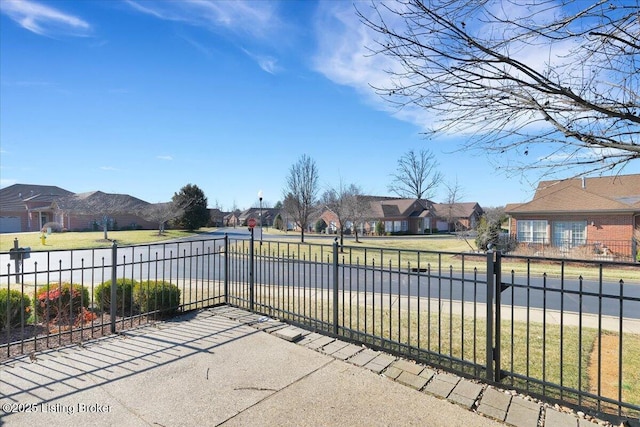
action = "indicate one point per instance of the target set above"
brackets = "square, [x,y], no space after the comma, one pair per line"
[380,228]
[18,310]
[124,295]
[61,303]
[160,296]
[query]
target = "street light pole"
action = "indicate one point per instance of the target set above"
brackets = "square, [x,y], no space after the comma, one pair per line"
[260,198]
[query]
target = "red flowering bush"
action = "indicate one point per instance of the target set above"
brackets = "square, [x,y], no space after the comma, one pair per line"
[62,303]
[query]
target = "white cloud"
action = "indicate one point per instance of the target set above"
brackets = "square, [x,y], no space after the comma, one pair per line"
[108,168]
[164,158]
[344,57]
[266,62]
[255,18]
[44,20]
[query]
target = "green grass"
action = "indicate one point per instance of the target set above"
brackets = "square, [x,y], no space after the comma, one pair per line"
[89,239]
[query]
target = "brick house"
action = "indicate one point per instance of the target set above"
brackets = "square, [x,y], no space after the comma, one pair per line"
[600,215]
[410,216]
[26,207]
[267,214]
[216,218]
[457,216]
[87,211]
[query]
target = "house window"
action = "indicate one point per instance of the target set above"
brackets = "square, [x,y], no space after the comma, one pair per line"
[569,233]
[396,226]
[532,231]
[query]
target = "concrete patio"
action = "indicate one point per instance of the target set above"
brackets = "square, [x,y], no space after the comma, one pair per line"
[226,366]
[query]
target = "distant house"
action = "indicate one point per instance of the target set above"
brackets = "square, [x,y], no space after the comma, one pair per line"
[264,216]
[601,214]
[25,207]
[410,216]
[87,211]
[216,218]
[232,219]
[457,216]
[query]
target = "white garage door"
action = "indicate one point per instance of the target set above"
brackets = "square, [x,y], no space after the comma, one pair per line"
[9,224]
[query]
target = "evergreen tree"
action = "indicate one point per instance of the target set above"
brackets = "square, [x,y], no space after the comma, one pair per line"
[193,202]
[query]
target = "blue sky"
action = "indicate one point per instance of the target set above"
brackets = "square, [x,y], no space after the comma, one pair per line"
[144,97]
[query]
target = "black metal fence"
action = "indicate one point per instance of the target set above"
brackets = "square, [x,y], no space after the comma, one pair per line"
[566,330]
[563,329]
[51,298]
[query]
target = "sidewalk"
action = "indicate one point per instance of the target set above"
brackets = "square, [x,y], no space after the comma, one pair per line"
[225,366]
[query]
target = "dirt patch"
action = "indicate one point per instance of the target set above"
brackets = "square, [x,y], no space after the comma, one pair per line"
[610,345]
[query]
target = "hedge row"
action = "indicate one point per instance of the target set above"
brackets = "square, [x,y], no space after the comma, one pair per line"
[67,303]
[139,297]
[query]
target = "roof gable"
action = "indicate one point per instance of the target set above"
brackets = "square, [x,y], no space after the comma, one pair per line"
[99,202]
[618,193]
[13,197]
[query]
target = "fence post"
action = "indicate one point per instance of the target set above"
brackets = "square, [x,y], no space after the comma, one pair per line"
[226,268]
[497,270]
[251,269]
[489,302]
[335,286]
[113,306]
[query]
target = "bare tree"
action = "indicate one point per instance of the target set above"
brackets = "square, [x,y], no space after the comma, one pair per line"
[358,208]
[104,205]
[417,175]
[161,213]
[340,201]
[301,192]
[454,195]
[545,84]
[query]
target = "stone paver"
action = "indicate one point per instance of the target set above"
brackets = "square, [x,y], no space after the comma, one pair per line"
[556,418]
[380,362]
[408,366]
[267,324]
[494,404]
[291,334]
[347,352]
[586,423]
[442,385]
[523,413]
[333,347]
[272,328]
[427,373]
[309,338]
[392,372]
[412,380]
[364,357]
[320,342]
[466,393]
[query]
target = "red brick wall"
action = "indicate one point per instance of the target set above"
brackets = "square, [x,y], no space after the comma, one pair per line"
[85,222]
[614,232]
[605,227]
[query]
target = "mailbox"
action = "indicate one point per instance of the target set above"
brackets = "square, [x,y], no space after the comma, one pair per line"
[19,254]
